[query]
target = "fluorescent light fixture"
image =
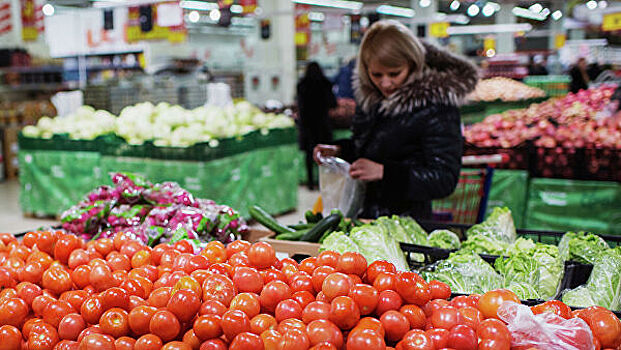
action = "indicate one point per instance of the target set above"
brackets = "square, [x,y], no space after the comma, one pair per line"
[495,5]
[473,10]
[341,4]
[424,3]
[545,12]
[455,5]
[602,4]
[364,21]
[48,9]
[237,8]
[194,16]
[489,28]
[526,13]
[591,5]
[214,15]
[440,16]
[316,16]
[198,5]
[536,8]
[488,10]
[556,15]
[395,11]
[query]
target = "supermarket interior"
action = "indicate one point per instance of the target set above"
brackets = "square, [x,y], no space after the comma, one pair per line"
[310,174]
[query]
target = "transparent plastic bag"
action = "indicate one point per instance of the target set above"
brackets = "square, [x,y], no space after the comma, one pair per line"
[338,189]
[544,331]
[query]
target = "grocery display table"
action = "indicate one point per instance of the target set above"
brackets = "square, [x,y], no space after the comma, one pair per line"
[259,168]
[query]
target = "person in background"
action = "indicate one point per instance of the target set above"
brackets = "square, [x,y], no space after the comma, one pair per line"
[579,77]
[343,80]
[538,66]
[315,99]
[407,143]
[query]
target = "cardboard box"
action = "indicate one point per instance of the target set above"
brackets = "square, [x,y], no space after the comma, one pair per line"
[292,248]
[10,150]
[254,235]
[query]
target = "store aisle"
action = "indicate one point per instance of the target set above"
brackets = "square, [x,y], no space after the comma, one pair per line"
[13,221]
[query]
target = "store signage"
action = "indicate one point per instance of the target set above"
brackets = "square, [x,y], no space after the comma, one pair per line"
[559,40]
[29,20]
[489,43]
[439,29]
[6,20]
[135,28]
[302,25]
[611,22]
[249,6]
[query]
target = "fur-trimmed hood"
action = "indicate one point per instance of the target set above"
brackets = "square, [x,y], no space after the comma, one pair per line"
[445,79]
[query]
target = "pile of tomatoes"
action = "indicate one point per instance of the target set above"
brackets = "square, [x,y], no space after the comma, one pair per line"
[60,292]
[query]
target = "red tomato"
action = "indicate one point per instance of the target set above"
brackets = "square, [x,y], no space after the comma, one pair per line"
[215,252]
[248,303]
[71,326]
[471,316]
[165,325]
[308,265]
[385,281]
[288,309]
[462,337]
[10,337]
[301,282]
[234,322]
[207,327]
[491,301]
[352,263]
[247,279]
[57,279]
[395,324]
[415,316]
[219,288]
[319,275]
[388,300]
[303,298]
[439,337]
[97,342]
[434,305]
[494,329]
[13,311]
[214,344]
[376,267]
[365,339]
[273,293]
[140,318]
[344,312]
[184,304]
[159,297]
[324,346]
[336,284]
[412,288]
[606,327]
[366,297]
[462,301]
[148,342]
[416,339]
[124,343]
[295,339]
[328,258]
[439,290]
[262,322]
[316,310]
[446,318]
[320,331]
[261,255]
[212,307]
[246,341]
[114,322]
[493,344]
[371,323]
[553,306]
[236,247]
[291,324]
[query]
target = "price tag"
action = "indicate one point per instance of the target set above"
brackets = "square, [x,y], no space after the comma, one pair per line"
[439,29]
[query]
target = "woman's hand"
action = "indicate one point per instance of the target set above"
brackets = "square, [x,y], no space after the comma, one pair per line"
[366,170]
[325,151]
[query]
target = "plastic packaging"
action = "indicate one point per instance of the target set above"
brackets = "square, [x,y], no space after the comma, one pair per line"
[544,331]
[338,189]
[169,193]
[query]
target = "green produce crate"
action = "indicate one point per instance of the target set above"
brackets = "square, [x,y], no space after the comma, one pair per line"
[560,205]
[553,85]
[509,189]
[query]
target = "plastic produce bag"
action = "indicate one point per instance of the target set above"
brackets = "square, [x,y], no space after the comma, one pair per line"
[466,273]
[375,243]
[444,239]
[581,247]
[169,193]
[338,189]
[499,226]
[544,331]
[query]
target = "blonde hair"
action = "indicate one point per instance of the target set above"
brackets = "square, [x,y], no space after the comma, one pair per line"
[390,44]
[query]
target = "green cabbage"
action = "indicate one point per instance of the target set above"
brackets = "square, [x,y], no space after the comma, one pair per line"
[444,239]
[481,244]
[551,269]
[466,273]
[579,297]
[520,245]
[523,290]
[394,228]
[375,243]
[339,242]
[498,226]
[412,229]
[582,247]
[521,267]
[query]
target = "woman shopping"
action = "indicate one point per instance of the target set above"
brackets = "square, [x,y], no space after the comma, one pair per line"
[407,142]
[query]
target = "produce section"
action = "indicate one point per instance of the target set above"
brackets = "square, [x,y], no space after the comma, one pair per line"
[503,89]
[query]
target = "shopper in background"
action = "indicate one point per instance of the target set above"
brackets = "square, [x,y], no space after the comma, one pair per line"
[407,141]
[579,77]
[537,66]
[315,99]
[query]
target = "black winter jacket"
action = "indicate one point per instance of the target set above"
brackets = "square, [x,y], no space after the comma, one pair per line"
[415,133]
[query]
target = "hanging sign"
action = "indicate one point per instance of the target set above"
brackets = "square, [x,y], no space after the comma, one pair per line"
[136,30]
[249,6]
[611,22]
[559,40]
[29,20]
[302,25]
[439,29]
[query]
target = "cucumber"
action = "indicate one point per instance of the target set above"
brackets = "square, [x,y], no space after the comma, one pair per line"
[330,222]
[311,217]
[301,226]
[292,236]
[267,220]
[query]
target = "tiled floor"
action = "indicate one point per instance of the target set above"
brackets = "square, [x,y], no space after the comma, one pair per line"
[13,221]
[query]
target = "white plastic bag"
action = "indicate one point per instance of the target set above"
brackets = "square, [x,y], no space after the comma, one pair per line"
[544,331]
[338,189]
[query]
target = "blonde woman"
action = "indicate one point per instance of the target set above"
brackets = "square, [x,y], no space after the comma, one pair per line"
[407,141]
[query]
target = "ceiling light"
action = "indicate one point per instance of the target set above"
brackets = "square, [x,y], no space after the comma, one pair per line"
[316,16]
[440,16]
[526,13]
[602,4]
[536,8]
[488,10]
[556,15]
[490,53]
[342,4]
[424,3]
[545,12]
[489,28]
[237,8]
[455,5]
[395,11]
[591,5]
[214,15]
[194,16]
[473,10]
[198,5]
[364,21]
[48,10]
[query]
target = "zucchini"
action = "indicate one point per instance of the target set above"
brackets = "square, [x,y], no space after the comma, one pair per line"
[301,226]
[267,220]
[291,236]
[311,217]
[330,222]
